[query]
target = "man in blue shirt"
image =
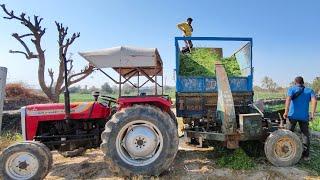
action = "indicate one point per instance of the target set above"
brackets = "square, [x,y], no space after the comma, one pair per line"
[297,110]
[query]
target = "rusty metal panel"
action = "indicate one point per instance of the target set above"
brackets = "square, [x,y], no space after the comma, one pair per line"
[204,104]
[206,135]
[250,125]
[225,109]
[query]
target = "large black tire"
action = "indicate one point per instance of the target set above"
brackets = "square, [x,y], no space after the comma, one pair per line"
[173,117]
[24,160]
[74,153]
[283,148]
[123,118]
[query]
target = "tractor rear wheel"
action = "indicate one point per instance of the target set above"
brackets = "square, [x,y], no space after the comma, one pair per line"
[24,160]
[140,140]
[283,148]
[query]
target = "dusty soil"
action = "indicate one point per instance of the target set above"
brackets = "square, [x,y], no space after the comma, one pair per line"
[190,163]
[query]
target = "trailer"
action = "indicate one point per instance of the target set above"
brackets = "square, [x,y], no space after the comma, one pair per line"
[221,108]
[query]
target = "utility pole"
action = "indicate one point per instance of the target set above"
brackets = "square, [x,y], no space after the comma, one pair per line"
[3,77]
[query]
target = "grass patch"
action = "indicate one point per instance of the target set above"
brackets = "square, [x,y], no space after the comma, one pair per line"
[274,108]
[235,159]
[315,124]
[7,139]
[314,164]
[201,62]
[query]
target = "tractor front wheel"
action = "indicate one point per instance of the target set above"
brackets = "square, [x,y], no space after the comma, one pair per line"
[26,160]
[283,148]
[140,140]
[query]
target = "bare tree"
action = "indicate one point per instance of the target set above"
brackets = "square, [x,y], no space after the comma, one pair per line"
[56,86]
[269,84]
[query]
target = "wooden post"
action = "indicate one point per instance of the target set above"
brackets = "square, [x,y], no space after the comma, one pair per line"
[120,82]
[162,83]
[138,83]
[3,77]
[155,78]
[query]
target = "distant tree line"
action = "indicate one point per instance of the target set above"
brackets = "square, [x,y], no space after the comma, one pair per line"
[126,89]
[268,84]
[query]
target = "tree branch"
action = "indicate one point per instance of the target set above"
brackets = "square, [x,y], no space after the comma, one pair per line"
[28,54]
[50,71]
[64,44]
[25,35]
[21,52]
[79,76]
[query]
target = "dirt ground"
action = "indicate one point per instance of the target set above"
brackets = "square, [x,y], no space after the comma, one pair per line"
[190,163]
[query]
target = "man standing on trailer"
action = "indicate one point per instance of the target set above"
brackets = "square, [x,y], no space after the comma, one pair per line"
[297,110]
[187,30]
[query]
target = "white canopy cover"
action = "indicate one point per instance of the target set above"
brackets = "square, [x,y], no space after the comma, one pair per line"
[123,57]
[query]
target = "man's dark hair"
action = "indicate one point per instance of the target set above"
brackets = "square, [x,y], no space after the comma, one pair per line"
[299,80]
[190,19]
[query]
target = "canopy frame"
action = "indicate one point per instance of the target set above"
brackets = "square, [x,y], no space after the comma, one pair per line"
[126,74]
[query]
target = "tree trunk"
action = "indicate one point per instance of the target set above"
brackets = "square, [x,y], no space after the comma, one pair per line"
[54,98]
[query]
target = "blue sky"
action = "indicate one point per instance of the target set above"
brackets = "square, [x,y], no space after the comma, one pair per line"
[286,34]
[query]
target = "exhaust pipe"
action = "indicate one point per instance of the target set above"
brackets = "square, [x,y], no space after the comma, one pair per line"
[66,92]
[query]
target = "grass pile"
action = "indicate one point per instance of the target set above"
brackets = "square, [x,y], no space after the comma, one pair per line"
[201,62]
[235,159]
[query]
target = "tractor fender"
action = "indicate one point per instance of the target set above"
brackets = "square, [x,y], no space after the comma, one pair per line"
[157,101]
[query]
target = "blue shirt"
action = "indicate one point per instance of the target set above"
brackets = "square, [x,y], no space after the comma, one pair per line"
[299,107]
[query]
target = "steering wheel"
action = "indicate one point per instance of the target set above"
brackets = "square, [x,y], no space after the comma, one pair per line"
[109,99]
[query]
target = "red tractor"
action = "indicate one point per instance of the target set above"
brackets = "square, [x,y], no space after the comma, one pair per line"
[137,134]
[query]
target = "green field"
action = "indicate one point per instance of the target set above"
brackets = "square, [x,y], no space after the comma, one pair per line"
[78,97]
[269,95]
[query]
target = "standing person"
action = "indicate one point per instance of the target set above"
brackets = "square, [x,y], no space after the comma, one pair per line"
[187,30]
[297,110]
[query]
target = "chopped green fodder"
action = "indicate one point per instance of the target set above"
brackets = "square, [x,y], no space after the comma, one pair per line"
[201,62]
[237,159]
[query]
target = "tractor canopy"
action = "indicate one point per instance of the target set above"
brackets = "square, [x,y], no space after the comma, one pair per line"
[124,59]
[129,63]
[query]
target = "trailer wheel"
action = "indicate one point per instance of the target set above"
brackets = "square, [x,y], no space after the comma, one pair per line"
[74,153]
[283,148]
[140,140]
[24,161]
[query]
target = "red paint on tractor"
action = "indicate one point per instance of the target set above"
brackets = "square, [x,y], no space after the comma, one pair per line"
[55,112]
[158,101]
